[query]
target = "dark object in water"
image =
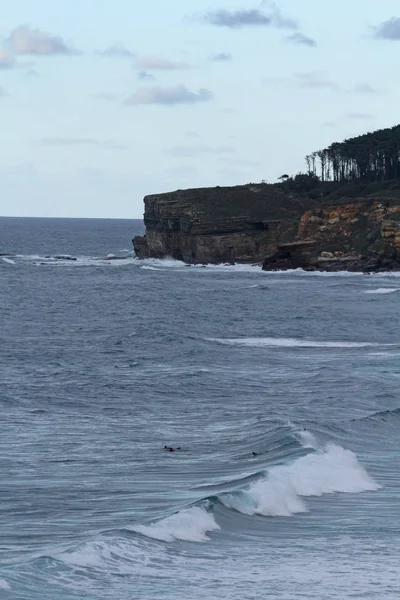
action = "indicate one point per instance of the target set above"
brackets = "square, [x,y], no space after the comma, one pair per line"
[170,449]
[254,453]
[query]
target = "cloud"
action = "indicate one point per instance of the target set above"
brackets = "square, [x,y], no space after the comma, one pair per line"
[220,56]
[117,51]
[192,134]
[199,150]
[319,80]
[162,64]
[248,18]
[315,81]
[364,88]
[71,141]
[388,30]
[24,40]
[145,76]
[7,61]
[178,94]
[300,38]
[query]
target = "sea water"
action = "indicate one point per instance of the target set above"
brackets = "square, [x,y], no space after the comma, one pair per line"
[282,390]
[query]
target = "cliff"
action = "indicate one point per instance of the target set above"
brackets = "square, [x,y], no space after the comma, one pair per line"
[323,225]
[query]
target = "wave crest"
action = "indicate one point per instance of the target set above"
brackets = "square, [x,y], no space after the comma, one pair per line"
[190,525]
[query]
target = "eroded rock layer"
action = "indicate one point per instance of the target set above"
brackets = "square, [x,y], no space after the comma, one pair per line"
[268,224]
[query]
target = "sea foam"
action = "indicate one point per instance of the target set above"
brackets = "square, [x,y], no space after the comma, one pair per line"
[190,525]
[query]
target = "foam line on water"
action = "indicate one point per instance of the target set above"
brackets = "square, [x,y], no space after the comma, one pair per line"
[190,525]
[270,342]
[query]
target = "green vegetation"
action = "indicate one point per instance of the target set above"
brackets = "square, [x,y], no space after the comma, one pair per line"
[370,157]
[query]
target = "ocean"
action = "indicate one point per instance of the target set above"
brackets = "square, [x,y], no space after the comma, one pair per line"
[281,389]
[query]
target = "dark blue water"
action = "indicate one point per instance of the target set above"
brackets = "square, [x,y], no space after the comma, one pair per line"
[106,359]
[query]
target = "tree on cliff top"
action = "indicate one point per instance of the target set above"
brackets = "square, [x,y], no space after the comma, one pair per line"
[369,157]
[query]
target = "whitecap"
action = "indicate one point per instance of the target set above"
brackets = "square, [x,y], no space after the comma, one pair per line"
[8,260]
[383,291]
[189,525]
[150,268]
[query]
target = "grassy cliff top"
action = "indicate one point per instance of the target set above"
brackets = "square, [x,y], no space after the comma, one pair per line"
[278,201]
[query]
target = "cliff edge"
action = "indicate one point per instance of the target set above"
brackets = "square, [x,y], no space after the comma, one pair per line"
[327,227]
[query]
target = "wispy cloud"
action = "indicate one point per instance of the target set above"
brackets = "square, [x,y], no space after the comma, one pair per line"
[315,80]
[192,134]
[364,88]
[249,18]
[320,80]
[169,96]
[220,56]
[388,30]
[24,40]
[303,40]
[199,150]
[237,19]
[145,76]
[157,63]
[359,116]
[117,51]
[71,141]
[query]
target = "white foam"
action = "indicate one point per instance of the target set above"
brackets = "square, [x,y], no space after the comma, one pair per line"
[4,585]
[308,440]
[115,553]
[280,493]
[383,291]
[8,260]
[150,268]
[269,342]
[170,263]
[190,525]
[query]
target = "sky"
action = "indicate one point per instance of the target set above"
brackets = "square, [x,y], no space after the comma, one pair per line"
[103,102]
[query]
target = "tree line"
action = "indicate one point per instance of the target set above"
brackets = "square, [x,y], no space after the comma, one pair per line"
[370,157]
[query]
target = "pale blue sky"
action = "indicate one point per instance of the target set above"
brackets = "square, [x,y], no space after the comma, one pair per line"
[86,134]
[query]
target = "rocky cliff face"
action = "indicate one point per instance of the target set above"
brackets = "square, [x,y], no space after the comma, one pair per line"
[270,225]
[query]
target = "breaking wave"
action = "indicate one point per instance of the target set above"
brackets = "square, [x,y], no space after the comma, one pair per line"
[190,525]
[281,491]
